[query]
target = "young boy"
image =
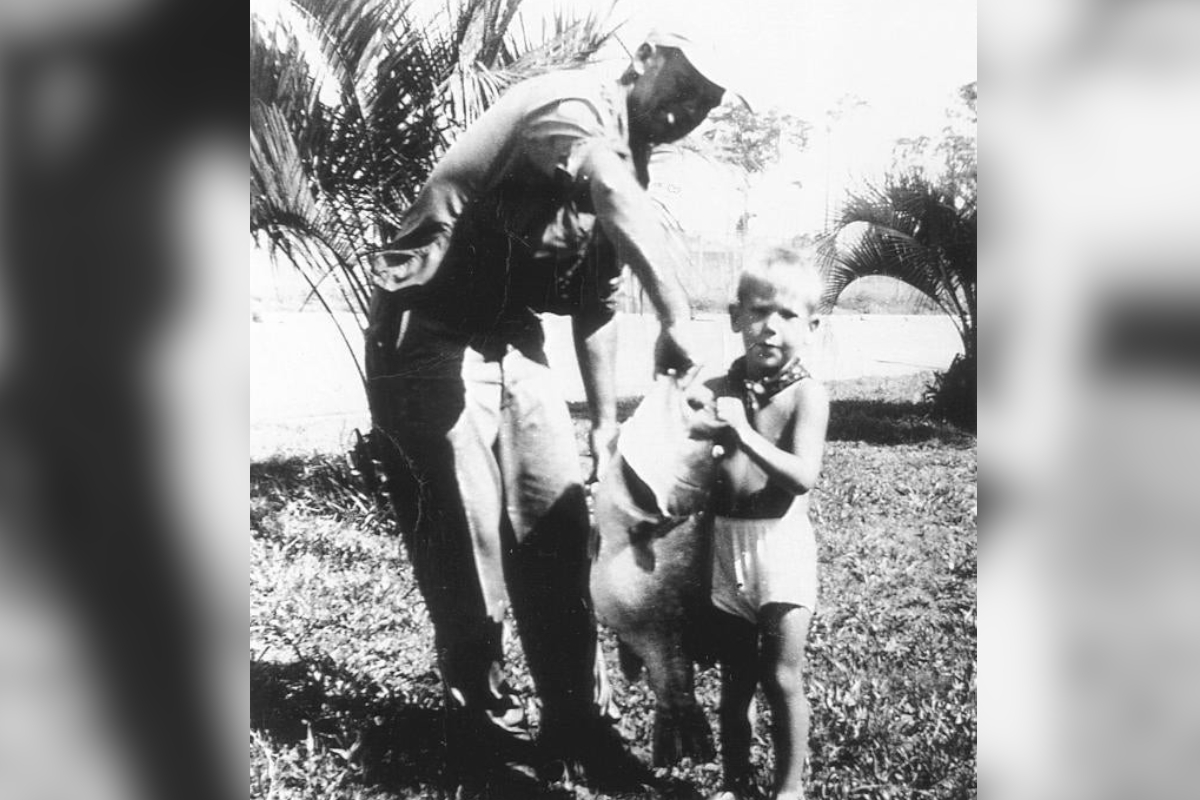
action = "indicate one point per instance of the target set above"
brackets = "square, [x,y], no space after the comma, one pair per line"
[770,417]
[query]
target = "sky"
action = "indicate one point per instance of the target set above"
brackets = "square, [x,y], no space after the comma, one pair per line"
[904,57]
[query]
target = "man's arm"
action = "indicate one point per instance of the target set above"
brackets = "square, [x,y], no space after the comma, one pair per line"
[634,225]
[596,350]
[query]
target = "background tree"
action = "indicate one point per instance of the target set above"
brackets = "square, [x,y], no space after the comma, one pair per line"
[920,227]
[734,135]
[742,143]
[950,158]
[352,102]
[924,235]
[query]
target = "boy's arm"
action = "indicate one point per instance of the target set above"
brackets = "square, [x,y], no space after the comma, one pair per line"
[796,471]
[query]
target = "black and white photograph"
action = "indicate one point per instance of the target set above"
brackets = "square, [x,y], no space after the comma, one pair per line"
[613,402]
[608,402]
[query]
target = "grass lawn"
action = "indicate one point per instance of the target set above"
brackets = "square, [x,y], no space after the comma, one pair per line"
[345,702]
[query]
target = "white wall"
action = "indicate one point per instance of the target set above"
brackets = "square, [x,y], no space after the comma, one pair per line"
[306,395]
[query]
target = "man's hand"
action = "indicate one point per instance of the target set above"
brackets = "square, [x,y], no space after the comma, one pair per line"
[603,442]
[674,352]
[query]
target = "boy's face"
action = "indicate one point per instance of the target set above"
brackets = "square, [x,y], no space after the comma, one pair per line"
[775,322]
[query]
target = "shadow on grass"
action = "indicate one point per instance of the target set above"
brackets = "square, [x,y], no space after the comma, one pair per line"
[393,744]
[325,484]
[891,422]
[329,477]
[869,420]
[397,743]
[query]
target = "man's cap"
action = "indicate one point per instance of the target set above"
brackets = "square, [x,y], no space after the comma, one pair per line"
[702,53]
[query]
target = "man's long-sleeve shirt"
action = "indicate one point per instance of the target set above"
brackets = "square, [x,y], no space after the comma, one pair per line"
[505,224]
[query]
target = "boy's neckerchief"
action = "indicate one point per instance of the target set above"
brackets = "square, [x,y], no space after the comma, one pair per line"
[757,392]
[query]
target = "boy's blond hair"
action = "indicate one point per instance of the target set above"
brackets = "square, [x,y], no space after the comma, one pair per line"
[785,267]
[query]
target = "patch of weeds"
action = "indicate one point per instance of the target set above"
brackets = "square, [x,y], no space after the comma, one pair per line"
[892,650]
[345,702]
[321,485]
[890,411]
[953,394]
[324,728]
[889,423]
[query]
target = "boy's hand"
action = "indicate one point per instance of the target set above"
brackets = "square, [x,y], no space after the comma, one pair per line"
[732,413]
[703,424]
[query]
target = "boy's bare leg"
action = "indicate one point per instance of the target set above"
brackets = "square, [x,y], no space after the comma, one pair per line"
[739,679]
[784,635]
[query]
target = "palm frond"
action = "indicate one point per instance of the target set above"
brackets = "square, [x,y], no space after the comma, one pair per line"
[915,232]
[352,104]
[484,69]
[862,249]
[280,189]
[569,38]
[279,76]
[353,35]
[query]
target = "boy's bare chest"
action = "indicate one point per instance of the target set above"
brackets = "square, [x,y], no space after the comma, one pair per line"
[743,478]
[773,421]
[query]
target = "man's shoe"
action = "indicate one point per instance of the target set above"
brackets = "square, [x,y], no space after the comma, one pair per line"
[592,752]
[485,747]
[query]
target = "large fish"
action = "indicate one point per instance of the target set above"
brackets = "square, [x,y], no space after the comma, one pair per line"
[650,574]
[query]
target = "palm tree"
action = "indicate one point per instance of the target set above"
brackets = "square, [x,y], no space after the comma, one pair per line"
[923,234]
[351,104]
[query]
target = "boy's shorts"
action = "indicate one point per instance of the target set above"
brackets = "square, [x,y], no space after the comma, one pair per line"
[761,561]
